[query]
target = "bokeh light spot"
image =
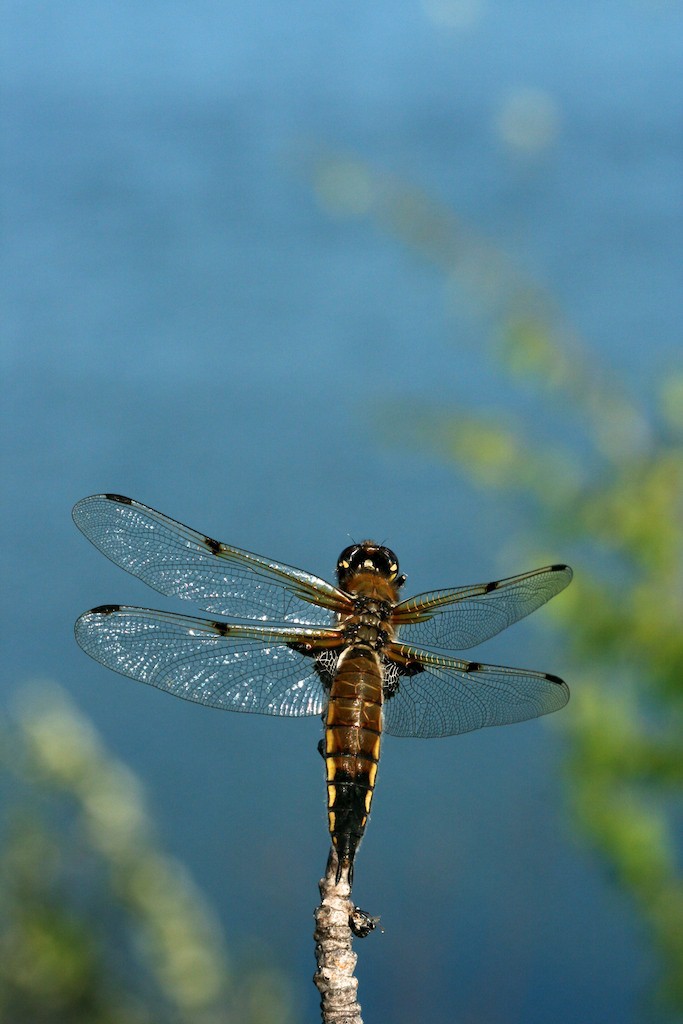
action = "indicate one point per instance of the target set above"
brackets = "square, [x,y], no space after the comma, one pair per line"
[528,120]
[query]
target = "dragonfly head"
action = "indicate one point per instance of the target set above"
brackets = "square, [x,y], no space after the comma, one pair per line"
[368,557]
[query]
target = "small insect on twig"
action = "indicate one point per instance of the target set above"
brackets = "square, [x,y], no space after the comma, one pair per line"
[337,920]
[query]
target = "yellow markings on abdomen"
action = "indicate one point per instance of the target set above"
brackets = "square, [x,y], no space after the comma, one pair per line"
[352,747]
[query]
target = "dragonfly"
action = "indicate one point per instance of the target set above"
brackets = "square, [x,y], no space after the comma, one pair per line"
[291,644]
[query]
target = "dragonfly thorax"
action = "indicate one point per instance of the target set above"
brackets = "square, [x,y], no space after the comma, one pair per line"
[368,626]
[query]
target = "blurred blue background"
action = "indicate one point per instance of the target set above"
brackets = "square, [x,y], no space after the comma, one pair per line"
[193,318]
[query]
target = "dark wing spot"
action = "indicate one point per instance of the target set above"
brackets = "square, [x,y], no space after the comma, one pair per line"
[105,609]
[214,546]
[221,627]
[301,648]
[473,666]
[554,679]
[326,667]
[394,671]
[559,568]
[122,500]
[390,682]
[491,586]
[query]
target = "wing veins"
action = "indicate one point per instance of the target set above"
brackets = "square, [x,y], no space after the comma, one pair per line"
[463,617]
[176,560]
[262,669]
[438,695]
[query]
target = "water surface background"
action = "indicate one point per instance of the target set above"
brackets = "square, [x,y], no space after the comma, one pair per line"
[188,322]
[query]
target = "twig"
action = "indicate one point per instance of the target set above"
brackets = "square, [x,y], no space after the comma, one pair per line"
[334,977]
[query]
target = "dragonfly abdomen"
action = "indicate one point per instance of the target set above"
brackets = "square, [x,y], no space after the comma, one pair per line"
[352,745]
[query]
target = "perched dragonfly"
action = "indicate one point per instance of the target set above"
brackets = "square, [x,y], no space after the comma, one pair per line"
[356,654]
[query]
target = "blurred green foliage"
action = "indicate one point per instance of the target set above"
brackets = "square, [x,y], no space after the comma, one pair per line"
[600,478]
[97,924]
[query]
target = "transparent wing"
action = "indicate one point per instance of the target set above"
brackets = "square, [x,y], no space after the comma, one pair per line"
[441,696]
[466,616]
[237,668]
[177,560]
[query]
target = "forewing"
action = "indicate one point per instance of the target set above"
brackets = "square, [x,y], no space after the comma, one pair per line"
[179,561]
[237,668]
[441,696]
[466,616]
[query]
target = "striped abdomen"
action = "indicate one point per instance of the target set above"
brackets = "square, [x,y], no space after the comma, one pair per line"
[352,742]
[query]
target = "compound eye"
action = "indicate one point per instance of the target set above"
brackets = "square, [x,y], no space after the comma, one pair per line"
[347,556]
[391,562]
